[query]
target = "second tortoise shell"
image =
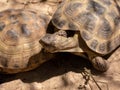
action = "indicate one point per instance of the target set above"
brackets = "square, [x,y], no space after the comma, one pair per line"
[97,20]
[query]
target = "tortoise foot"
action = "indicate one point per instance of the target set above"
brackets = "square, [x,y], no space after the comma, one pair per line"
[100,64]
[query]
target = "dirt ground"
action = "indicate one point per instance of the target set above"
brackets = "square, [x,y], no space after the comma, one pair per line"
[65,72]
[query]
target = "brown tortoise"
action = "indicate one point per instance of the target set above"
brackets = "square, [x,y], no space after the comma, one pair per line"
[96,24]
[20,32]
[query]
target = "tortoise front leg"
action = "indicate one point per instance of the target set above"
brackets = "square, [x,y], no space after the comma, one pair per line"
[98,62]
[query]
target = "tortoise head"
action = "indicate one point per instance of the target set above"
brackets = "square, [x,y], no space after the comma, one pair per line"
[59,42]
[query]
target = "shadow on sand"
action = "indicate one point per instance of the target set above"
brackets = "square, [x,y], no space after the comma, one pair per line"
[63,63]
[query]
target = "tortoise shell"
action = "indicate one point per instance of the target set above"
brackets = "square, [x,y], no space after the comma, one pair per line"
[20,32]
[97,20]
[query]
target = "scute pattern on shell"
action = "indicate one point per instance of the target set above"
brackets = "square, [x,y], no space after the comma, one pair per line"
[97,21]
[20,32]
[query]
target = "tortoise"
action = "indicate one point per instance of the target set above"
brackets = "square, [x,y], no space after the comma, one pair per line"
[90,28]
[20,32]
[22,24]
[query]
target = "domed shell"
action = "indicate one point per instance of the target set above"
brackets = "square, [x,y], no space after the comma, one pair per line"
[20,32]
[97,20]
